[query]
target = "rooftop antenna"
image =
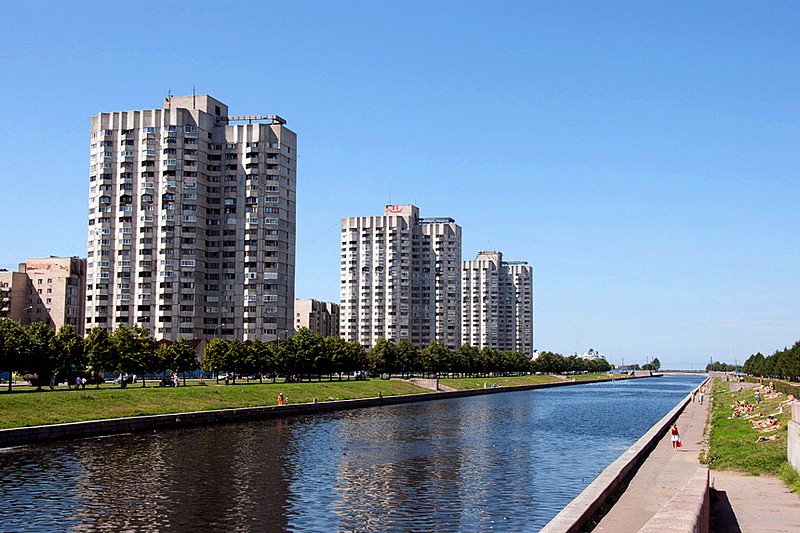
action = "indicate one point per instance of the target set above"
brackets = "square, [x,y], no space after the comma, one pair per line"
[169,98]
[194,99]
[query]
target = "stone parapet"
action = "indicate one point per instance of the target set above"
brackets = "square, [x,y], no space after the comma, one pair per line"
[687,512]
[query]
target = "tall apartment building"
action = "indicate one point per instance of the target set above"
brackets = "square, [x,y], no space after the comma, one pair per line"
[401,278]
[497,303]
[48,290]
[319,317]
[192,221]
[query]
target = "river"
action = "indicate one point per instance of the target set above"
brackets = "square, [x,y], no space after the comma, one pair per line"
[500,462]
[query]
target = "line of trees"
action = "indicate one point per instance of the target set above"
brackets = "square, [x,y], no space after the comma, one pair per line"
[717,366]
[550,362]
[783,364]
[39,353]
[307,354]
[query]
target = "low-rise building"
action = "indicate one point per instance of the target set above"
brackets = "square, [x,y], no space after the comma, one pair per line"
[49,290]
[319,317]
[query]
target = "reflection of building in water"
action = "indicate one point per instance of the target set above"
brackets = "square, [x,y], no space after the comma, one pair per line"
[216,478]
[443,457]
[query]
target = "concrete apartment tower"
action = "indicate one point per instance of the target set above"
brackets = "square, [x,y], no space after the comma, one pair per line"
[48,290]
[401,278]
[497,303]
[192,222]
[319,317]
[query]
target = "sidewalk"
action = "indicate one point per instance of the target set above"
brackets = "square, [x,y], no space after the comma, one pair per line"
[753,504]
[661,476]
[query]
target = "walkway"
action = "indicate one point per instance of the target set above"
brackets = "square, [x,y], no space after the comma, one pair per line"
[661,476]
[753,504]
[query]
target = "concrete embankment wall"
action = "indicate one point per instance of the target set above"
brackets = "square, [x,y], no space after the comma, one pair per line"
[580,511]
[52,432]
[688,511]
[793,442]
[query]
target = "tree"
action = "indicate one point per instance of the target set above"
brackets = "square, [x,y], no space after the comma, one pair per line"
[656,363]
[308,350]
[234,357]
[406,356]
[433,357]
[336,350]
[214,356]
[261,359]
[124,343]
[72,358]
[100,351]
[163,359]
[184,358]
[43,354]
[382,357]
[13,347]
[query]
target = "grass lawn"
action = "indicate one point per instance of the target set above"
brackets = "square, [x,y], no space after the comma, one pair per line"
[732,441]
[29,408]
[599,375]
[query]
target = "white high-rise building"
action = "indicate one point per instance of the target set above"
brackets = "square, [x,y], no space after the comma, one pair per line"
[192,221]
[401,278]
[497,303]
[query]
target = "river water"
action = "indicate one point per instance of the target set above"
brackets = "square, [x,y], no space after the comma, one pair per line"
[500,462]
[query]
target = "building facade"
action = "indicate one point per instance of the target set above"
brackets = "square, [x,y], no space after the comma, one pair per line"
[400,278]
[497,303]
[49,290]
[319,317]
[192,222]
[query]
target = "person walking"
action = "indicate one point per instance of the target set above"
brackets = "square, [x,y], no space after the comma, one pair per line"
[280,399]
[675,437]
[701,396]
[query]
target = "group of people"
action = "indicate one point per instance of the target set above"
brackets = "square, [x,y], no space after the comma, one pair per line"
[748,410]
[697,395]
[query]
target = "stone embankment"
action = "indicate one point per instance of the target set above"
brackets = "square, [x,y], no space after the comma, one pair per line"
[52,432]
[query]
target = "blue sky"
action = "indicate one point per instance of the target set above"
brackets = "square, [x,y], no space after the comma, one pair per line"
[641,156]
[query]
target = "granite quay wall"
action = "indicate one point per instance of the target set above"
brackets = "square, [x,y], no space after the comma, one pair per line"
[688,511]
[793,439]
[580,511]
[111,426]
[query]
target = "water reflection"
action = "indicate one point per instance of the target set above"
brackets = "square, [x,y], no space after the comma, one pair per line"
[505,462]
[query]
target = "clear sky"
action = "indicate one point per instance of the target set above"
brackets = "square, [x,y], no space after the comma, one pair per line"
[642,156]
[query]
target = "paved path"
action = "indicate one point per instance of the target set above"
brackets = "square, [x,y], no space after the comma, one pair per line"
[661,476]
[753,504]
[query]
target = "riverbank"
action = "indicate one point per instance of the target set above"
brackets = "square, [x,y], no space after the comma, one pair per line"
[305,398]
[27,407]
[733,440]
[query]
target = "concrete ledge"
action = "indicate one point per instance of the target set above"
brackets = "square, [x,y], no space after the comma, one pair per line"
[585,506]
[688,511]
[111,426]
[793,438]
